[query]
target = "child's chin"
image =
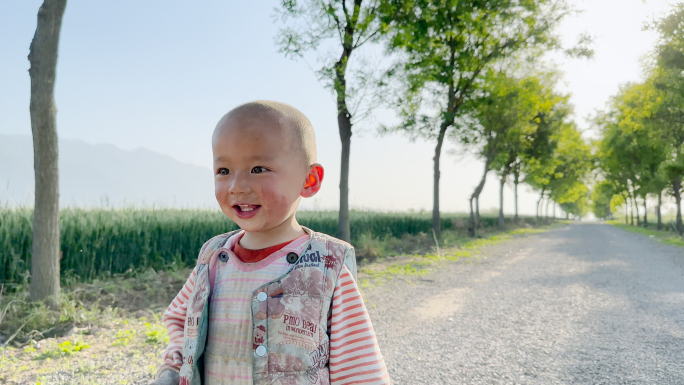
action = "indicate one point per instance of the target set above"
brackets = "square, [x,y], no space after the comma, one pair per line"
[249,224]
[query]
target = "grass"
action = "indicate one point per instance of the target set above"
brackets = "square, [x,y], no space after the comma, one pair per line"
[664,236]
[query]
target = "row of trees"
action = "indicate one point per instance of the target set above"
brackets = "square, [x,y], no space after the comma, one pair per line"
[641,151]
[456,73]
[523,131]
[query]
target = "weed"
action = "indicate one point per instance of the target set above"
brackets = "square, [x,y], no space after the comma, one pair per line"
[64,349]
[26,320]
[156,334]
[123,337]
[369,246]
[85,369]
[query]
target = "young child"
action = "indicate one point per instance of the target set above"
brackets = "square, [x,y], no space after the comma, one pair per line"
[275,302]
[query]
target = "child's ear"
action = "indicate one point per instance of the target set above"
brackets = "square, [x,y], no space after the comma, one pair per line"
[313,181]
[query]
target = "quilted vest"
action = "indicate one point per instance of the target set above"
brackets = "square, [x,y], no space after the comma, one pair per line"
[289,314]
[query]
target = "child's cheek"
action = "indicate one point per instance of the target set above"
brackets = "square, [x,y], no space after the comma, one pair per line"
[279,204]
[220,192]
[222,197]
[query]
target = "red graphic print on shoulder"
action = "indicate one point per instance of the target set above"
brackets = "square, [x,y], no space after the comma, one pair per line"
[330,262]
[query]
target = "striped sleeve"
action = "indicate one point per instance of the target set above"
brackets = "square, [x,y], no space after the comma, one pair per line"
[354,352]
[174,321]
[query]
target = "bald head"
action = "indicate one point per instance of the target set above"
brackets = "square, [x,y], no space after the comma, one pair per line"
[274,116]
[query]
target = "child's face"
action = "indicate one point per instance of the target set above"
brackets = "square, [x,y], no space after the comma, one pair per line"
[259,175]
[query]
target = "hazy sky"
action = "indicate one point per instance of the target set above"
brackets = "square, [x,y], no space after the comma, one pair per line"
[160,74]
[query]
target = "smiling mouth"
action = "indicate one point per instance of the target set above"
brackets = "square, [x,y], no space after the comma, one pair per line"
[246,211]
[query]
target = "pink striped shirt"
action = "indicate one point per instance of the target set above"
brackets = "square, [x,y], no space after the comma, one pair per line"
[354,353]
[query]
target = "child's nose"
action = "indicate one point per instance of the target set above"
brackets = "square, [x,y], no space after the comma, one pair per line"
[240,184]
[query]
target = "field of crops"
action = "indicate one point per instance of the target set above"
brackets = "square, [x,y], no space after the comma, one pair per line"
[101,242]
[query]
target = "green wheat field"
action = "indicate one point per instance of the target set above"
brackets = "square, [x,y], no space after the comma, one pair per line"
[97,243]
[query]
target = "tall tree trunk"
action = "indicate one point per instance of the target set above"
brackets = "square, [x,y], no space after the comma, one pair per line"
[645,212]
[453,104]
[436,219]
[658,213]
[676,187]
[345,126]
[477,211]
[473,222]
[515,196]
[631,210]
[344,123]
[43,59]
[636,206]
[546,214]
[502,222]
[541,197]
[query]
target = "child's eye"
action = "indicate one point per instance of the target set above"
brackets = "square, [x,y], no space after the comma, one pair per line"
[223,171]
[258,170]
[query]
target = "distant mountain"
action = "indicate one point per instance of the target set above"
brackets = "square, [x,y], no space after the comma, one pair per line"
[100,174]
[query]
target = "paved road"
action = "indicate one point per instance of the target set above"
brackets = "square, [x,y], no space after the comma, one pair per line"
[585,304]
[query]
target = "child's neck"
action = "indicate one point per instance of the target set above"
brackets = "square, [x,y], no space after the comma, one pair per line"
[284,232]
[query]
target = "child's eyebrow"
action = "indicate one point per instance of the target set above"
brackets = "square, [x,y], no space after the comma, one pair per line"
[260,157]
[250,158]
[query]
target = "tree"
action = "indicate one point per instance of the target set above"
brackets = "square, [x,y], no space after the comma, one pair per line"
[560,164]
[539,163]
[579,207]
[573,160]
[502,125]
[632,149]
[668,78]
[534,98]
[351,24]
[670,115]
[445,46]
[601,197]
[43,58]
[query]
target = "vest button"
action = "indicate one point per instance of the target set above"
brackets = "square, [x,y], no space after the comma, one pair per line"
[260,351]
[292,257]
[223,256]
[262,296]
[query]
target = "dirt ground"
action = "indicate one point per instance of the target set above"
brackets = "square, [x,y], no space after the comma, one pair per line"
[123,352]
